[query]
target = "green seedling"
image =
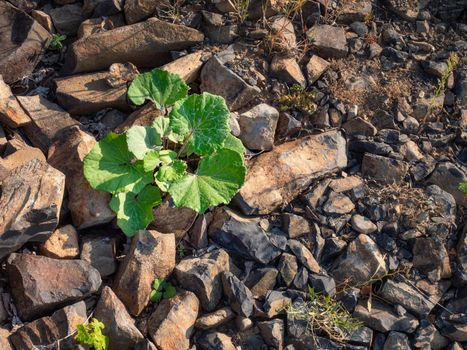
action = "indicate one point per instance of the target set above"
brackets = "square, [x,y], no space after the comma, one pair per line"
[57,41]
[91,335]
[161,289]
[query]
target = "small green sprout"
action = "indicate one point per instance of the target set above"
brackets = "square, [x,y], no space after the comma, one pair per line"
[162,289]
[298,98]
[91,335]
[57,41]
[463,187]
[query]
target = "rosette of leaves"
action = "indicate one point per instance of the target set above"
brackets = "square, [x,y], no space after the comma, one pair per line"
[91,335]
[187,153]
[162,289]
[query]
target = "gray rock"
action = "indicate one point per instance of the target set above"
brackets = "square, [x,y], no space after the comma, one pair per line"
[424,335]
[215,319]
[145,345]
[448,176]
[315,68]
[288,268]
[339,204]
[258,127]
[363,336]
[384,169]
[287,70]
[431,258]
[397,340]
[328,41]
[359,126]
[295,225]
[301,279]
[99,8]
[323,284]
[215,341]
[239,296]
[436,69]
[275,302]
[304,256]
[362,224]
[67,18]
[261,280]
[138,10]
[273,332]
[360,28]
[99,251]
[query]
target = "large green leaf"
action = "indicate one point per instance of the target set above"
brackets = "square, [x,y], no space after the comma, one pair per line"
[134,211]
[110,166]
[142,139]
[159,86]
[218,178]
[203,121]
[169,173]
[235,144]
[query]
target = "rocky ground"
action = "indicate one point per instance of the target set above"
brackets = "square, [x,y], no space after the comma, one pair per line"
[355,115]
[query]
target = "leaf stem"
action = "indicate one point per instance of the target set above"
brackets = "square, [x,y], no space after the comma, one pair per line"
[185,143]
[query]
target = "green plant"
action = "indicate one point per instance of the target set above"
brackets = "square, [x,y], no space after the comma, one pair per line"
[452,62]
[141,165]
[463,187]
[57,41]
[162,289]
[298,98]
[323,313]
[241,9]
[91,335]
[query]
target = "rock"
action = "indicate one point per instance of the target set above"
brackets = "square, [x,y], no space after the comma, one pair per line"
[145,345]
[99,252]
[328,41]
[19,158]
[287,125]
[30,201]
[359,28]
[273,333]
[104,8]
[304,256]
[191,274]
[354,11]
[44,20]
[242,236]
[62,243]
[89,93]
[215,341]
[188,67]
[238,295]
[23,41]
[170,219]
[243,323]
[172,323]
[448,176]
[345,184]
[287,70]
[383,319]
[275,303]
[199,234]
[4,342]
[218,79]
[258,127]
[431,258]
[48,121]
[359,126]
[40,284]
[261,280]
[361,262]
[50,329]
[408,11]
[315,68]
[295,225]
[151,256]
[436,69]
[121,74]
[3,140]
[397,340]
[362,224]
[288,268]
[151,42]
[362,336]
[411,152]
[138,10]
[88,207]
[277,177]
[338,203]
[215,319]
[67,18]
[386,170]
[313,198]
[11,113]
[283,35]
[119,326]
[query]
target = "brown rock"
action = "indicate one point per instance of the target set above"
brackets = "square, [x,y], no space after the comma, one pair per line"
[121,73]
[315,68]
[386,170]
[30,205]
[48,330]
[19,158]
[99,251]
[102,8]
[151,255]
[88,207]
[23,41]
[48,119]
[448,176]
[62,243]
[138,10]
[295,225]
[40,284]
[44,20]
[345,184]
[170,219]
[216,318]
[188,67]
[304,256]
[142,116]
[328,41]
[89,93]
[215,341]
[67,18]
[287,70]
[4,342]
[150,43]
[283,38]
[261,280]
[277,177]
[119,326]
[11,113]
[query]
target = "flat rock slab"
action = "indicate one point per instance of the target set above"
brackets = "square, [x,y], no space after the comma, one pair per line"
[277,177]
[188,67]
[49,329]
[11,113]
[88,207]
[30,205]
[22,42]
[39,284]
[328,41]
[145,44]
[89,93]
[48,120]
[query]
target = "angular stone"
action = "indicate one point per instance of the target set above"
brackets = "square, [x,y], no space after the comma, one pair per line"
[411,152]
[354,11]
[273,333]
[4,342]
[62,243]
[448,176]
[30,201]
[295,225]
[98,8]
[242,236]
[145,345]
[138,10]
[339,204]
[408,11]
[216,318]
[67,18]
[23,42]
[238,295]
[277,177]
[151,255]
[284,39]
[361,262]
[383,169]
[40,284]
[50,329]
[288,268]
[383,319]
[188,66]
[89,93]
[359,126]
[215,341]
[362,224]
[218,79]
[48,120]
[315,68]
[304,255]
[203,276]
[170,219]
[121,74]
[328,41]
[431,258]
[88,207]
[261,280]
[150,43]
[345,184]
[11,113]
[258,127]
[287,70]
[172,323]
[18,158]
[275,303]
[44,20]
[119,326]
[99,251]
[397,340]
